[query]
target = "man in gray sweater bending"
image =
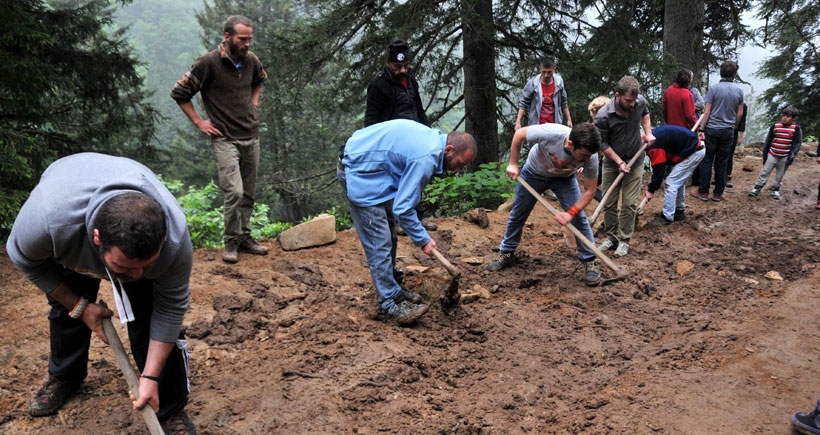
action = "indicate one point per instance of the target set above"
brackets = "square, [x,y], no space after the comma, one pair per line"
[95,217]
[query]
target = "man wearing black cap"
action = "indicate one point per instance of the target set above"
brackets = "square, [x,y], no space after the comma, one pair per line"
[394,94]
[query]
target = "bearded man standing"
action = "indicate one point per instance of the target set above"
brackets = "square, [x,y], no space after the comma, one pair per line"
[230,80]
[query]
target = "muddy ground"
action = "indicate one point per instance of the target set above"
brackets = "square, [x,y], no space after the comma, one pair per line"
[696,340]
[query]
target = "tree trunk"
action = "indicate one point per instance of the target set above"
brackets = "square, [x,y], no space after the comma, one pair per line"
[479,78]
[683,34]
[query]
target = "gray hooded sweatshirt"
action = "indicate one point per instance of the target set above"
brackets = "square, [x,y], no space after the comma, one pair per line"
[53,233]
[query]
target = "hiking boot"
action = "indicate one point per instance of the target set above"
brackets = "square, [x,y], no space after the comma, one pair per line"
[622,250]
[408,295]
[505,259]
[776,194]
[231,252]
[178,424]
[406,313]
[806,422]
[718,198]
[249,245]
[51,397]
[755,191]
[701,196]
[429,226]
[680,215]
[592,273]
[607,245]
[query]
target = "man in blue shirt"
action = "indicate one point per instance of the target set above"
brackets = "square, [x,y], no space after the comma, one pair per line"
[384,169]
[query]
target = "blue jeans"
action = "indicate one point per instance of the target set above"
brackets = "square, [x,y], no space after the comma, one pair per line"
[674,195]
[376,228]
[567,191]
[718,149]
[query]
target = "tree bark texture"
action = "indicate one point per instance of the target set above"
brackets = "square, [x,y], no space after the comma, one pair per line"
[683,34]
[479,78]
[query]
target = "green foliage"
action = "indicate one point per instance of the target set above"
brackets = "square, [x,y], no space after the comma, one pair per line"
[487,187]
[810,139]
[342,214]
[206,224]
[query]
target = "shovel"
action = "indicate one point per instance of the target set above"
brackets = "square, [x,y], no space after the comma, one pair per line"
[620,272]
[639,210]
[614,185]
[131,377]
[451,295]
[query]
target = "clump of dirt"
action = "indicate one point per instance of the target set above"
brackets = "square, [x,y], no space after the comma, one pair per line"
[695,340]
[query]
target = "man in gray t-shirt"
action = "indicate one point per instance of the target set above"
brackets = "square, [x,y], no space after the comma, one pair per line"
[557,153]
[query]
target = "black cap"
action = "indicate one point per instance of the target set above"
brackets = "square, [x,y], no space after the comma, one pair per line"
[398,51]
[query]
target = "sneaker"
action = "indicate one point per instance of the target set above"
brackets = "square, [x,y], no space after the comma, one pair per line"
[701,196]
[776,194]
[806,422]
[592,273]
[755,191]
[406,312]
[231,252]
[680,215]
[622,250]
[729,184]
[718,198]
[51,397]
[549,194]
[505,259]
[408,295]
[249,245]
[178,424]
[607,245]
[429,226]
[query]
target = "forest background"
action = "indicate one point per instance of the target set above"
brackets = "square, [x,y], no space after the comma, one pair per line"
[95,75]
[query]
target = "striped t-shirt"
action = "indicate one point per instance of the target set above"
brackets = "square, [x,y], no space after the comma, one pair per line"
[782,141]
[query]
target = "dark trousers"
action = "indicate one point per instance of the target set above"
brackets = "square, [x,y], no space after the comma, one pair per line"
[71,339]
[718,146]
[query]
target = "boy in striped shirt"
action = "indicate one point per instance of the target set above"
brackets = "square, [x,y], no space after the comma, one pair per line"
[782,144]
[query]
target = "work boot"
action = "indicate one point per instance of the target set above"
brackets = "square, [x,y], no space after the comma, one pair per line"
[592,273]
[249,245]
[231,252]
[409,295]
[406,313]
[51,397]
[429,226]
[755,191]
[505,259]
[178,424]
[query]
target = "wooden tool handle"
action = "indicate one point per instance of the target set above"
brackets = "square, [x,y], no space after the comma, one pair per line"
[131,376]
[452,270]
[589,244]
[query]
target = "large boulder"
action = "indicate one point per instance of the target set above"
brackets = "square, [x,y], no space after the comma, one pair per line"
[319,231]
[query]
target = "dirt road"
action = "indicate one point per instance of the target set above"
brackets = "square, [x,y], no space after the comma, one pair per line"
[695,341]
